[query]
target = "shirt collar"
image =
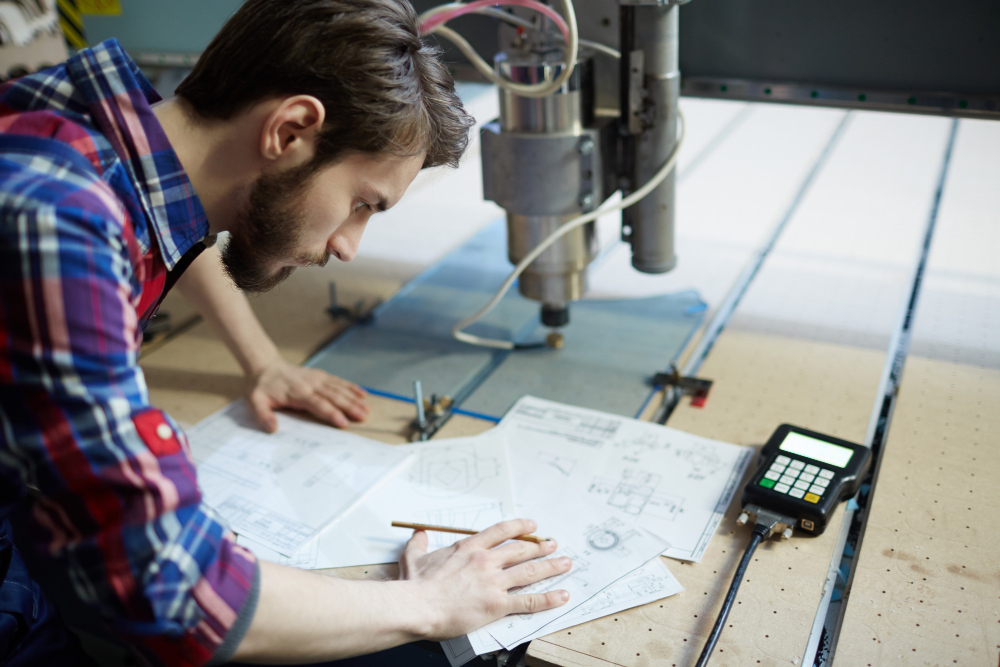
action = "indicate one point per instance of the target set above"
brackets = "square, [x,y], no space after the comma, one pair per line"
[119,98]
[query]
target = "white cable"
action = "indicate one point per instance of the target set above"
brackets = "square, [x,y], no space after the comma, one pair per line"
[601,48]
[484,68]
[569,226]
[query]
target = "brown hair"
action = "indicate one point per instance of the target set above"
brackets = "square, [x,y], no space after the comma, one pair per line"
[384,90]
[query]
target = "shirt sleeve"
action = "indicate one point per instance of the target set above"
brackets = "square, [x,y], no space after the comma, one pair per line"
[119,507]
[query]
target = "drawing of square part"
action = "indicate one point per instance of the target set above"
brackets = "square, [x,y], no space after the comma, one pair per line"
[451,471]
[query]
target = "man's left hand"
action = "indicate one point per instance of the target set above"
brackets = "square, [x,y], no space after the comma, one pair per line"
[282,385]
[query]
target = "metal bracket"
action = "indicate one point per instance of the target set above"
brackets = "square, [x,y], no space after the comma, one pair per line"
[432,413]
[697,388]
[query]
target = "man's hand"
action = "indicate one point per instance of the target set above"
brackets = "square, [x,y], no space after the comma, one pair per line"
[282,385]
[465,586]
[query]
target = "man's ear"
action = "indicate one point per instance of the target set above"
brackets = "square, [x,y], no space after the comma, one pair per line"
[291,129]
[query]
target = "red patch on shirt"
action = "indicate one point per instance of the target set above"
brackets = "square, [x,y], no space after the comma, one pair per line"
[150,426]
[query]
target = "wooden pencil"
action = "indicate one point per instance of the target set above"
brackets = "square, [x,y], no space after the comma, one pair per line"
[460,531]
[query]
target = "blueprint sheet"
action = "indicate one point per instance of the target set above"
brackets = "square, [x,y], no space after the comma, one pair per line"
[651,582]
[674,484]
[281,489]
[463,483]
[603,551]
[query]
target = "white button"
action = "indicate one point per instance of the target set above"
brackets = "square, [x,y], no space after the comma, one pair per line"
[781,488]
[826,474]
[807,478]
[812,470]
[777,467]
[818,490]
[797,493]
[164,431]
[799,484]
[785,479]
[783,460]
[796,465]
[770,474]
[821,483]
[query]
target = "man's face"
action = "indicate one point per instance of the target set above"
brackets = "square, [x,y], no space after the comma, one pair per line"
[293,218]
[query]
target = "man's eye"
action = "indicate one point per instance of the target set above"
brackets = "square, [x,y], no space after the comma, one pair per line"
[361,206]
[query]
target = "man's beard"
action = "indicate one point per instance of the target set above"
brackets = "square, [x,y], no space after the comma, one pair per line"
[268,230]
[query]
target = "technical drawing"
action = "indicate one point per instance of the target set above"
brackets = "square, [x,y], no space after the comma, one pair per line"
[584,429]
[473,517]
[634,493]
[451,471]
[611,536]
[703,460]
[259,522]
[563,464]
[637,589]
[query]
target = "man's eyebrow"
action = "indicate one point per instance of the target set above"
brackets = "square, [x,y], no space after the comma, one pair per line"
[377,199]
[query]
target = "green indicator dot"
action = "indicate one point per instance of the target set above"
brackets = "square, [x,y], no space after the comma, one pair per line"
[723,88]
[862,97]
[767,91]
[767,483]
[962,104]
[814,94]
[912,100]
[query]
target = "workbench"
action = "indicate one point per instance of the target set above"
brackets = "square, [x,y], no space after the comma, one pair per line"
[807,345]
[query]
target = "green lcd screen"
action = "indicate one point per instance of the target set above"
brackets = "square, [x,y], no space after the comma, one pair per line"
[835,455]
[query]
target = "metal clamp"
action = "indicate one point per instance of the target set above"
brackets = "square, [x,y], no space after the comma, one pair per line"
[697,388]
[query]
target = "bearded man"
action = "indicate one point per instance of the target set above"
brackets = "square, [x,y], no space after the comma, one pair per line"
[301,120]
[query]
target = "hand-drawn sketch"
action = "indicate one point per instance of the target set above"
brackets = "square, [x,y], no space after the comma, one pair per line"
[634,493]
[563,464]
[446,472]
[577,574]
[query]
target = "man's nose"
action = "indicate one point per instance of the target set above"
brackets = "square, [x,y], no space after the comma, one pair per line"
[345,246]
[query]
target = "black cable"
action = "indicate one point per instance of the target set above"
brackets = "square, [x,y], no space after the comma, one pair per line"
[759,534]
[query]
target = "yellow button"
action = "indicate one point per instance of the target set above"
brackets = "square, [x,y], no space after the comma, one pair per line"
[164,431]
[812,497]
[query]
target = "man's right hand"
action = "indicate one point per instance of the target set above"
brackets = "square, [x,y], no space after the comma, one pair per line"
[467,585]
[305,617]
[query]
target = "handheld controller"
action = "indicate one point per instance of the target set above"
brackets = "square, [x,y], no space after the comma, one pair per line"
[804,475]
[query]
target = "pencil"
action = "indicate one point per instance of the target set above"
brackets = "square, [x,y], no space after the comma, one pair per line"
[460,531]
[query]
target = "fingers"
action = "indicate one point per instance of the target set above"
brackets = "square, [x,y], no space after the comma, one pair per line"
[261,406]
[535,602]
[323,408]
[501,532]
[416,547]
[519,551]
[345,401]
[536,570]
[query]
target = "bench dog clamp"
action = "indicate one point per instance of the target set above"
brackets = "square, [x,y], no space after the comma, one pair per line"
[697,388]
[432,413]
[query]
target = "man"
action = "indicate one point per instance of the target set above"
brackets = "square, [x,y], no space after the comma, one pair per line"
[302,119]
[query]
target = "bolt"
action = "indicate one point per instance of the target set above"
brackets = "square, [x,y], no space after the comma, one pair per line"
[587,201]
[786,534]
[586,146]
[742,521]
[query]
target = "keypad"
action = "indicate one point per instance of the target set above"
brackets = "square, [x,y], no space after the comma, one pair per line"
[787,475]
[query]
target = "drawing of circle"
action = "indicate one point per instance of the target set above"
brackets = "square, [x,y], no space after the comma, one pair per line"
[604,540]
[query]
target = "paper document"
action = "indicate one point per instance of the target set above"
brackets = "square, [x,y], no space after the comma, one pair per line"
[461,483]
[281,489]
[603,550]
[675,484]
[651,582]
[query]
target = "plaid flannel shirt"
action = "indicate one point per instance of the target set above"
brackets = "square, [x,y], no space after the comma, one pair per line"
[97,218]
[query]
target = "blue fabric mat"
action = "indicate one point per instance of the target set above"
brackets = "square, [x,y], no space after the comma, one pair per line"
[611,348]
